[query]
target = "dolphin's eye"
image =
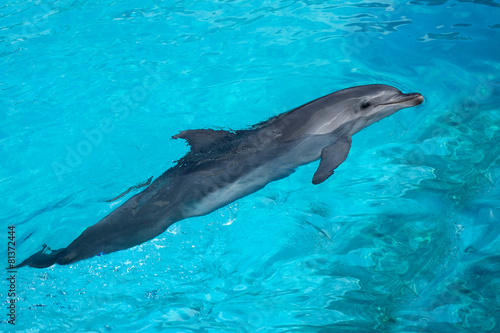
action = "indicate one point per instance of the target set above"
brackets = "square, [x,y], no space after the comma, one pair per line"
[365,104]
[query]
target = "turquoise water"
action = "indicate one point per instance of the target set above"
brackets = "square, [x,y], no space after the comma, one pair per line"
[403,238]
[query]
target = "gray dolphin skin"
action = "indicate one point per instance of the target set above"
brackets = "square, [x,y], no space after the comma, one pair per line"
[223,166]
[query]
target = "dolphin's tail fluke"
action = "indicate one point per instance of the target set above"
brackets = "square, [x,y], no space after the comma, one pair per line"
[44,258]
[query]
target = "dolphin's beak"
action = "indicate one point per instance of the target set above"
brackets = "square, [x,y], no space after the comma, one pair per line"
[414,97]
[407,100]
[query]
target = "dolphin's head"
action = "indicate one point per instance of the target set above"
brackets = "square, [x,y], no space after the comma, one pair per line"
[377,101]
[352,109]
[364,105]
[346,111]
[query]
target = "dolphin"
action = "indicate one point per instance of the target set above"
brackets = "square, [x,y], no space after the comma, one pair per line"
[223,166]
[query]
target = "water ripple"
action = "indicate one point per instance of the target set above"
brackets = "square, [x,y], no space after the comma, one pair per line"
[403,238]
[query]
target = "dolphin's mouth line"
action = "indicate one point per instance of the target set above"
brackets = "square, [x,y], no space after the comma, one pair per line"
[417,96]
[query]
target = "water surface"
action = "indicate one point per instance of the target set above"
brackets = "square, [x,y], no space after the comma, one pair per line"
[403,238]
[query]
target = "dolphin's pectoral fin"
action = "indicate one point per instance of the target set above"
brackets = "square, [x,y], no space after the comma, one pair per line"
[201,139]
[331,157]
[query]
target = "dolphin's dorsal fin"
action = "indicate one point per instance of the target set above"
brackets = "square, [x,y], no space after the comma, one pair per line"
[331,157]
[201,139]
